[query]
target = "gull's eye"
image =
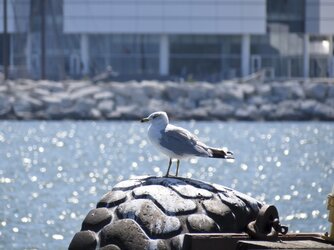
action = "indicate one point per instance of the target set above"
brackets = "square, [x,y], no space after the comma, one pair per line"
[155,116]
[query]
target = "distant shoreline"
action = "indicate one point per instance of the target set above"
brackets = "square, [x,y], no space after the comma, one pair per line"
[25,99]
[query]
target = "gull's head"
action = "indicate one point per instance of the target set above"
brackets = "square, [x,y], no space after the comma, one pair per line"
[159,118]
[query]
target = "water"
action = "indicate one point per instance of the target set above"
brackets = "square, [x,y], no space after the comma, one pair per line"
[53,173]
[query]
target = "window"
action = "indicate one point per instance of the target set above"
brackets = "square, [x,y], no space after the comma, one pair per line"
[285,15]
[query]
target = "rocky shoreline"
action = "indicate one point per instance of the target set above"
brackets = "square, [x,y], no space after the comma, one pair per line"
[25,99]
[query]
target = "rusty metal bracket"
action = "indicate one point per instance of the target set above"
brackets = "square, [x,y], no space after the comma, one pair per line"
[267,225]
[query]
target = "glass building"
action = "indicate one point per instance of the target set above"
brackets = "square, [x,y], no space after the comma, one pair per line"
[200,40]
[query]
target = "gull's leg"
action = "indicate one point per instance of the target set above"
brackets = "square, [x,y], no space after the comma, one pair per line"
[170,163]
[177,167]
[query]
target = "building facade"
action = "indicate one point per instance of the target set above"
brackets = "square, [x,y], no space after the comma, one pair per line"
[193,39]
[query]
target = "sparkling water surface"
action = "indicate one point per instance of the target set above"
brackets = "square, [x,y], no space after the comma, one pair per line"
[53,173]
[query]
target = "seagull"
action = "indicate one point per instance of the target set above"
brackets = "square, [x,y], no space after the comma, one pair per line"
[178,143]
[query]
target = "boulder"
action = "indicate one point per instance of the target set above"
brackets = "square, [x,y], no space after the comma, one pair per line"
[156,212]
[73,86]
[267,111]
[152,90]
[105,106]
[249,112]
[81,109]
[175,91]
[56,106]
[247,88]
[256,100]
[105,95]
[221,111]
[296,90]
[230,94]
[200,91]
[317,91]
[84,92]
[24,106]
[286,91]
[288,110]
[5,105]
[3,88]
[330,91]
[324,112]
[51,86]
[263,90]
[307,107]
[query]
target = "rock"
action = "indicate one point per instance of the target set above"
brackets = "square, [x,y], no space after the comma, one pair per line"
[288,110]
[250,112]
[83,240]
[222,214]
[201,91]
[73,86]
[121,100]
[96,219]
[84,92]
[330,102]
[125,232]
[82,109]
[106,106]
[126,112]
[40,93]
[257,100]
[330,94]
[177,242]
[174,205]
[221,111]
[324,112]
[188,191]
[110,247]
[28,99]
[56,106]
[296,90]
[238,208]
[103,96]
[154,212]
[22,108]
[286,91]
[186,103]
[267,111]
[5,105]
[51,86]
[247,89]
[230,94]
[22,85]
[197,114]
[111,199]
[173,91]
[308,107]
[137,94]
[3,88]
[128,184]
[199,223]
[263,90]
[316,91]
[154,222]
[152,90]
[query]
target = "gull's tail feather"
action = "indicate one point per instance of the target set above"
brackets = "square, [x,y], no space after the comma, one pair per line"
[221,153]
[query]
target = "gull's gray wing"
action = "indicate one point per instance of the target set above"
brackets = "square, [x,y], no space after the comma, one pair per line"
[182,142]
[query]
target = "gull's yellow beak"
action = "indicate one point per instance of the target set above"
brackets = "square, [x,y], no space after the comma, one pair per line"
[144,119]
